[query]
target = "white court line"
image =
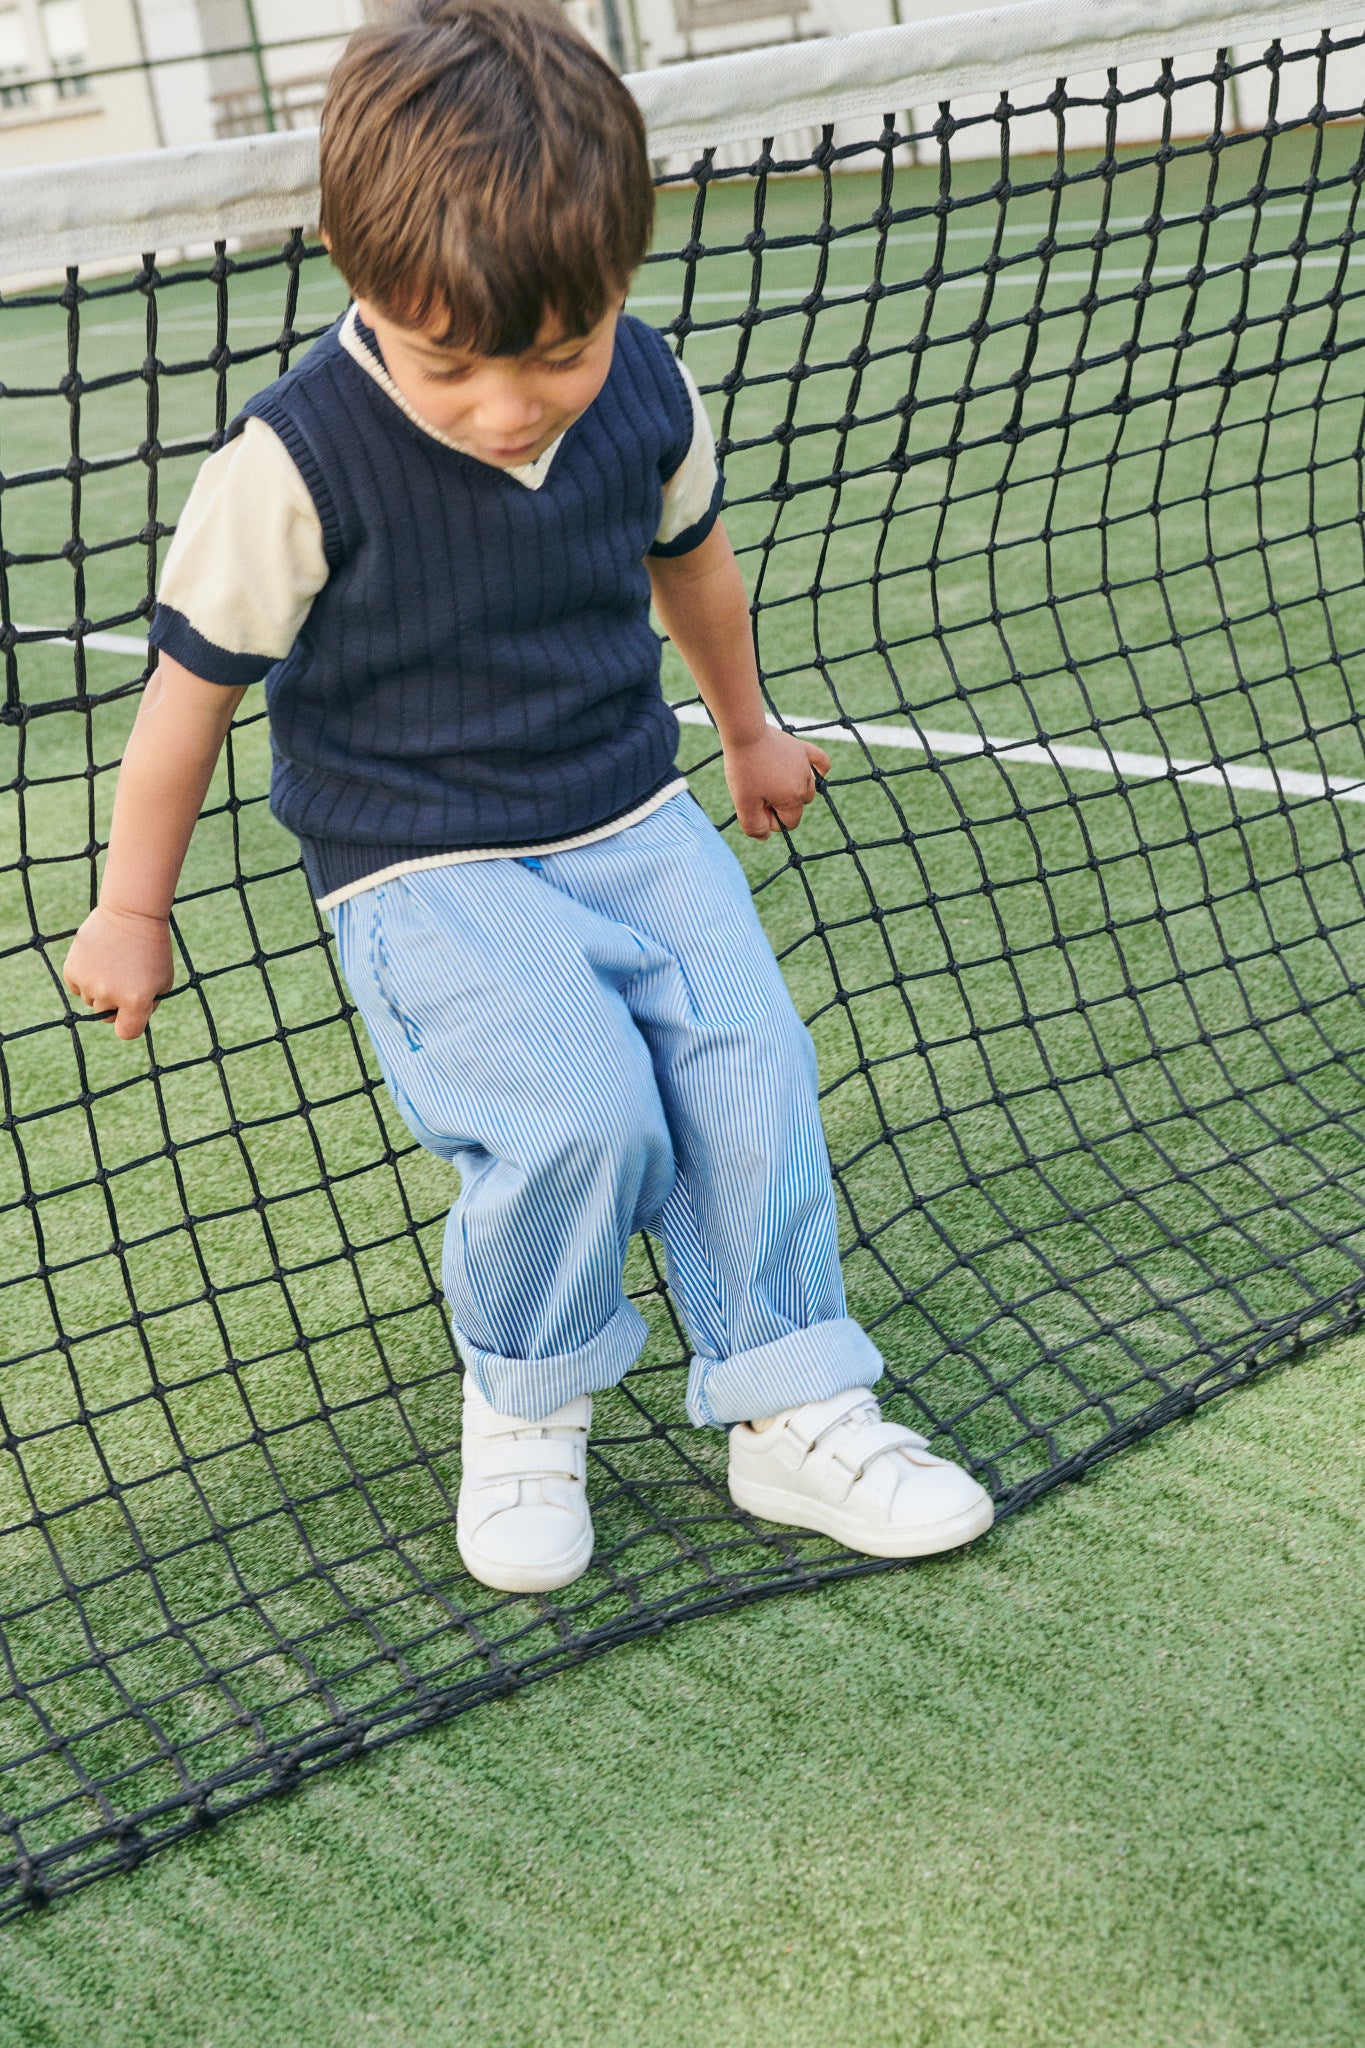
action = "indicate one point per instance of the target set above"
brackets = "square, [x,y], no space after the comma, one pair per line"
[1109,273]
[189,324]
[1128,225]
[1238,213]
[1092,760]
[103,643]
[1226,775]
[977,281]
[171,324]
[198,324]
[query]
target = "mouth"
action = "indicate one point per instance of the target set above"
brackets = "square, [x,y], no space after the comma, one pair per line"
[521,454]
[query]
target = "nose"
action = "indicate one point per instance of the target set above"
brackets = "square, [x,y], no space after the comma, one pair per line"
[509,410]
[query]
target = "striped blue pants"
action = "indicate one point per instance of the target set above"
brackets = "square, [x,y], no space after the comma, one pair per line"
[601,1041]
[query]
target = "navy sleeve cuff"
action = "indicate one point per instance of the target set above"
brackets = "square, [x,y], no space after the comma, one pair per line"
[173,634]
[692,536]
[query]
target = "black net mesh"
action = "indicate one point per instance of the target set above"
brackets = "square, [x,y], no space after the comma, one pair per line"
[1042,430]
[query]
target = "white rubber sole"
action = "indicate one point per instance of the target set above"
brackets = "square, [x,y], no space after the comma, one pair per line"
[528,1578]
[799,1511]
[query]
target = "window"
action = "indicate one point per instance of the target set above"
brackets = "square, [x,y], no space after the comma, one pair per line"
[41,39]
[68,51]
[15,56]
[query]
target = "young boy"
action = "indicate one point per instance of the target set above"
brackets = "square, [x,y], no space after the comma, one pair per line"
[436,539]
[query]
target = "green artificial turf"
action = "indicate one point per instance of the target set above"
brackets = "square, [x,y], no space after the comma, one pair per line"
[1093,1784]
[1092,1050]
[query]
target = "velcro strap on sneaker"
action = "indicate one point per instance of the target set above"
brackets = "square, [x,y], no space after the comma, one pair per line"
[874,1440]
[485,1422]
[542,1457]
[810,1424]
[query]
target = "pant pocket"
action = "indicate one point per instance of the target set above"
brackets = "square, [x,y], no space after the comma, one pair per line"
[383,980]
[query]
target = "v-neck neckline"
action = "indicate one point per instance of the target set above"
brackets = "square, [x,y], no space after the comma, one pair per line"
[361,346]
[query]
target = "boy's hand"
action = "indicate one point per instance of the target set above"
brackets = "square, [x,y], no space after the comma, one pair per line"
[704,609]
[772,779]
[120,964]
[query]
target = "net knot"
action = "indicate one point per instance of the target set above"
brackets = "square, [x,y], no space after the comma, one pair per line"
[132,1847]
[285,1772]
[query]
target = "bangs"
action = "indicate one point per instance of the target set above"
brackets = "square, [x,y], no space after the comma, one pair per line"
[483,173]
[488,284]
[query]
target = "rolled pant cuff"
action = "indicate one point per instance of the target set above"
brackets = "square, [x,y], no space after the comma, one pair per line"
[537,1386]
[805,1365]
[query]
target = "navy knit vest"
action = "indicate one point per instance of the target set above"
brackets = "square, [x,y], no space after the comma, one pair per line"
[480,669]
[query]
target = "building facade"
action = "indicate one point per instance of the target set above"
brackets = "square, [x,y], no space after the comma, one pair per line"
[72,82]
[88,78]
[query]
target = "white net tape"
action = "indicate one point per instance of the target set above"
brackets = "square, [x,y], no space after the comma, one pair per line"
[258,186]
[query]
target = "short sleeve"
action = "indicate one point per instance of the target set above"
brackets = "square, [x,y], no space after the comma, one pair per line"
[246,563]
[693,493]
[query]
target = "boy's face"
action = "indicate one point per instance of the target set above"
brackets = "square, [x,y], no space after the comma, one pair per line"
[506,410]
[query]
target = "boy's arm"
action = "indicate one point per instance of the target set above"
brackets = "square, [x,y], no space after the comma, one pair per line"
[120,959]
[701,599]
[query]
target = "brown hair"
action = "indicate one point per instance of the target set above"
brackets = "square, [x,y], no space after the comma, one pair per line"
[482,166]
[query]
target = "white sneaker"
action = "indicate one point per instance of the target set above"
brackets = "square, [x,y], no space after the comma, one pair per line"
[522,1522]
[837,1467]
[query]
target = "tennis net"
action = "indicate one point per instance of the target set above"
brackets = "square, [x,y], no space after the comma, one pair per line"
[1040,410]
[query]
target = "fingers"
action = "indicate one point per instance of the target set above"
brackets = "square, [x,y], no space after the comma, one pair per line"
[758,819]
[129,1018]
[755,819]
[120,970]
[772,785]
[94,998]
[132,1019]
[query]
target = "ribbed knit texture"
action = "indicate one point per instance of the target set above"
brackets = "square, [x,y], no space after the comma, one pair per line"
[479,669]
